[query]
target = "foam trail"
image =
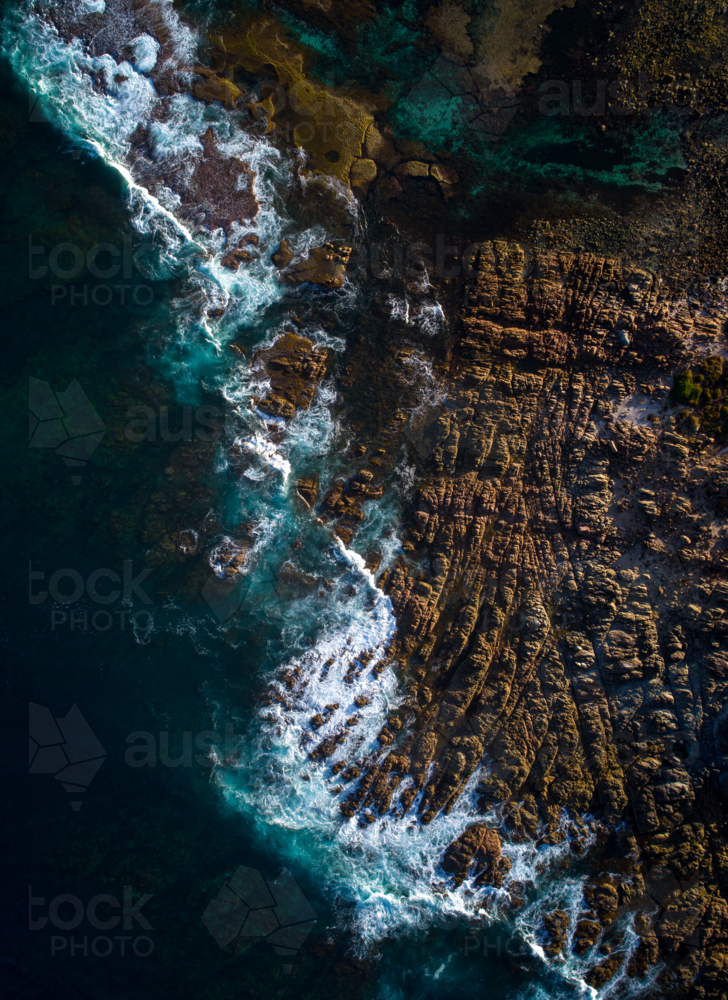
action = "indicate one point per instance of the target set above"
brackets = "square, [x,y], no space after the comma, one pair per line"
[267,455]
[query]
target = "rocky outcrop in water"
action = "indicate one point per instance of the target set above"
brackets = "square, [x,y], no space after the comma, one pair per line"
[477,853]
[294,368]
[330,127]
[324,265]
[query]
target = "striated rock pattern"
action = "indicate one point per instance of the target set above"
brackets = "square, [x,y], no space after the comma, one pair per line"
[564,615]
[476,852]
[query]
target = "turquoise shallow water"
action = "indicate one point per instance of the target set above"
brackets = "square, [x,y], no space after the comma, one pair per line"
[199,774]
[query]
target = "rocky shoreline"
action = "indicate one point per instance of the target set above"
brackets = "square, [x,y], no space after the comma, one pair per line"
[561,612]
[562,593]
[561,603]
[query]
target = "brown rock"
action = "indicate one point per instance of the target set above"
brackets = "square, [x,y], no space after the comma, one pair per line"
[212,87]
[479,844]
[283,255]
[586,935]
[413,168]
[307,489]
[443,174]
[220,191]
[555,929]
[380,148]
[363,172]
[600,975]
[295,367]
[324,265]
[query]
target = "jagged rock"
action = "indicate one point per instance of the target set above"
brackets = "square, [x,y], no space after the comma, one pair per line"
[586,935]
[479,844]
[324,265]
[215,191]
[237,255]
[413,168]
[379,147]
[283,255]
[329,126]
[363,172]
[603,897]
[681,917]
[600,975]
[307,489]
[294,367]
[445,175]
[557,649]
[555,929]
[215,88]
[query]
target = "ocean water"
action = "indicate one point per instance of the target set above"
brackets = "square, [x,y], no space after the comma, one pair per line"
[301,600]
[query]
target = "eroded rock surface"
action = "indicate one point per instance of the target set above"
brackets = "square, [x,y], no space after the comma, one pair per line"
[324,265]
[294,368]
[564,612]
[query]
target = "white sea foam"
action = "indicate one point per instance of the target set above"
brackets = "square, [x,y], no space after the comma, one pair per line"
[145,49]
[267,455]
[399,307]
[310,432]
[388,867]
[178,134]
[554,888]
[101,120]
[430,318]
[427,315]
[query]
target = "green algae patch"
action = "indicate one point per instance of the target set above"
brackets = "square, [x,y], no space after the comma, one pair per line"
[328,125]
[685,390]
[705,390]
